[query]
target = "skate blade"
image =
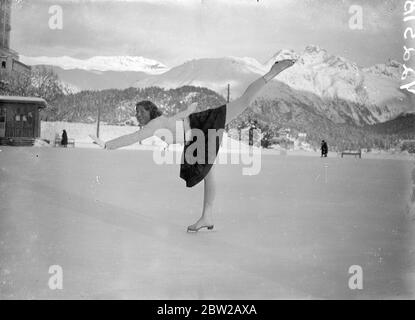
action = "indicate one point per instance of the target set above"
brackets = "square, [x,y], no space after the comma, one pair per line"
[197,229]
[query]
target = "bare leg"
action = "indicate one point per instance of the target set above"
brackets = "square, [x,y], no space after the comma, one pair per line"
[236,107]
[206,220]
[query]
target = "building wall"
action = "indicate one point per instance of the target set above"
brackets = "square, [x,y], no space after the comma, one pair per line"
[17,66]
[9,63]
[6,63]
[5,23]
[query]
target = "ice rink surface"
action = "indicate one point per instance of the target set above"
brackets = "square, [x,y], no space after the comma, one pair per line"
[116,224]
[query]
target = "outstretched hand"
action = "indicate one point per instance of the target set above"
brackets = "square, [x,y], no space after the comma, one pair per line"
[98,141]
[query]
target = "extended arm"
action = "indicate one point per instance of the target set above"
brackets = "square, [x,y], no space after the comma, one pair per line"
[124,141]
[147,131]
[128,139]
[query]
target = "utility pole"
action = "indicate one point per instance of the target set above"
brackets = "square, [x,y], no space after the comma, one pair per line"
[99,119]
[228,100]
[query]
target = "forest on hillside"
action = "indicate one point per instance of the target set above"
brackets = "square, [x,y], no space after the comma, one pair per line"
[118,106]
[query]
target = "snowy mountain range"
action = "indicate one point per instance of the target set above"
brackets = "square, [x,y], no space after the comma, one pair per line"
[100,63]
[331,85]
[367,95]
[77,80]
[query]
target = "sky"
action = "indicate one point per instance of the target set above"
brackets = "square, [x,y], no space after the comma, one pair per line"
[175,31]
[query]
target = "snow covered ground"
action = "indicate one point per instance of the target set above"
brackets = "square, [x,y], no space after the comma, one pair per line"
[116,224]
[81,131]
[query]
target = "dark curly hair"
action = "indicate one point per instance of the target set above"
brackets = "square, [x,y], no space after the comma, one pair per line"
[150,107]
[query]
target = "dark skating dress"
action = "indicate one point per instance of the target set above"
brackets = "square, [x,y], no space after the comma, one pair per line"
[215,118]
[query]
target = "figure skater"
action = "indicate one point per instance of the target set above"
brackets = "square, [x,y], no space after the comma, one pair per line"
[181,126]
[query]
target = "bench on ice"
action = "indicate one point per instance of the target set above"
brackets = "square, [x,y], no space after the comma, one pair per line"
[71,142]
[352,153]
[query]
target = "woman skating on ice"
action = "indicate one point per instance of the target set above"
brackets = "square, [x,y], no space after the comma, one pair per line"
[181,126]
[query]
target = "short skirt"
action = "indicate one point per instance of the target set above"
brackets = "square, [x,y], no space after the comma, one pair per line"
[195,171]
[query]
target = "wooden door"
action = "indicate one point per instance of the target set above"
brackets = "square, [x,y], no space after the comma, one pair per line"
[2,122]
[24,123]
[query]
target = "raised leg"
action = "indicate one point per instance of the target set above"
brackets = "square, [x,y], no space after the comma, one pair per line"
[236,107]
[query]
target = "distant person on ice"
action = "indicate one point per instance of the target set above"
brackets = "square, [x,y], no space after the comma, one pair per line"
[182,126]
[324,149]
[64,141]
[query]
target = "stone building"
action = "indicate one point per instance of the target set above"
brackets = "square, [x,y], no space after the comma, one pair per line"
[9,59]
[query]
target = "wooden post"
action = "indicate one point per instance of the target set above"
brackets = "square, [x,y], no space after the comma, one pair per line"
[228,100]
[251,135]
[99,119]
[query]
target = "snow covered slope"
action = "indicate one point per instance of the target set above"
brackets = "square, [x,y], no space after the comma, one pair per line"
[214,74]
